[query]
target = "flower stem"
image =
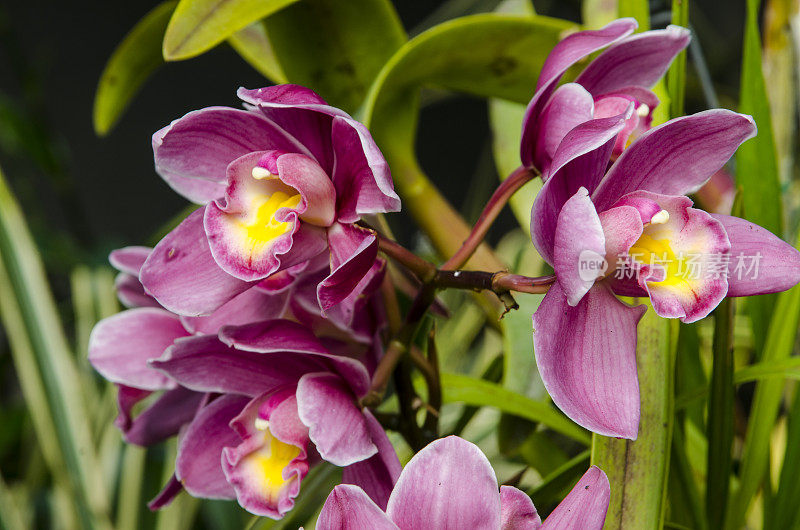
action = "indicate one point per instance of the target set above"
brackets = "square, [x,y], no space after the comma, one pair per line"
[507,188]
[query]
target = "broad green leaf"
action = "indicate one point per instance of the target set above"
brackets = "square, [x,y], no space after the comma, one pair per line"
[198,25]
[766,405]
[720,417]
[598,13]
[756,165]
[465,389]
[46,367]
[686,505]
[336,48]
[253,45]
[784,368]
[131,64]
[489,55]
[637,470]
[129,501]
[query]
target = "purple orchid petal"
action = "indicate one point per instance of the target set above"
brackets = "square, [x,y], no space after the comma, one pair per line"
[250,306]
[580,160]
[353,253]
[131,293]
[314,185]
[349,508]
[580,247]
[639,60]
[127,398]
[677,157]
[361,176]
[182,275]
[585,507]
[255,231]
[570,105]
[265,470]
[448,484]
[121,345]
[287,336]
[164,418]
[378,474]
[517,510]
[622,227]
[200,447]
[760,262]
[335,423]
[564,55]
[680,257]
[193,152]
[167,494]
[587,359]
[281,95]
[129,259]
[205,364]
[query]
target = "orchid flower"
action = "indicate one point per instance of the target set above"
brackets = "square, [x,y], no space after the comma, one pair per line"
[280,392]
[124,348]
[636,217]
[620,76]
[282,182]
[451,485]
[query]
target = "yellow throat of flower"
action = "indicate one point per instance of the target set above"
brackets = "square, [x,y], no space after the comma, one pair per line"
[269,461]
[649,249]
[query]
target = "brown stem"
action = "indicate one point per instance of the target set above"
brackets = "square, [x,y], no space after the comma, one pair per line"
[423,269]
[497,202]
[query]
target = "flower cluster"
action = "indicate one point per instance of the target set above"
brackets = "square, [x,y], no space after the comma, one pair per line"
[256,329]
[615,190]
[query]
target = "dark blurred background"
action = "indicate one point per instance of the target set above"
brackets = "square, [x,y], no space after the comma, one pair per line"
[84,195]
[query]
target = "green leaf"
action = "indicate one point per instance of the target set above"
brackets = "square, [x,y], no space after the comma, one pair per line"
[756,161]
[784,368]
[676,75]
[131,64]
[336,48]
[199,25]
[253,45]
[457,388]
[10,514]
[785,513]
[766,405]
[720,417]
[46,367]
[637,470]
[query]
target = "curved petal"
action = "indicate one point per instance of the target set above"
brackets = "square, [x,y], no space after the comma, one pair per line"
[264,470]
[205,364]
[622,227]
[182,275]
[518,511]
[580,247]
[129,259]
[570,106]
[314,185]
[335,423]
[349,508]
[682,259]
[448,484]
[252,305]
[639,60]
[378,474]
[164,418]
[127,398]
[287,94]
[198,464]
[677,157]
[286,336]
[760,262]
[585,507]
[121,345]
[361,175]
[580,160]
[564,55]
[193,152]
[587,359]
[353,253]
[131,293]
